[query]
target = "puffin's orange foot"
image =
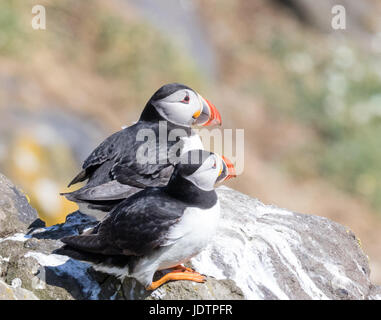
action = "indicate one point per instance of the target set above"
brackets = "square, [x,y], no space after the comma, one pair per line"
[181,268]
[176,275]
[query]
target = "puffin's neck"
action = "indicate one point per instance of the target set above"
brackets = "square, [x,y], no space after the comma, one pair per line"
[150,114]
[184,190]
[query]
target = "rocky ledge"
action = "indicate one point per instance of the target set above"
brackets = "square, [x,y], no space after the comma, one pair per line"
[259,252]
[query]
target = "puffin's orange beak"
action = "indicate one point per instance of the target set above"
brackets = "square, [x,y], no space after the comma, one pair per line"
[209,115]
[214,115]
[230,169]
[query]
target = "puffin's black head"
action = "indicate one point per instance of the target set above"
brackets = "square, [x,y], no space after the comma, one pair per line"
[181,106]
[203,169]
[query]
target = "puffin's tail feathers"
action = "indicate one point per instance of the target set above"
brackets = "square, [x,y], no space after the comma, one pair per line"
[117,265]
[82,176]
[89,243]
[69,196]
[92,258]
[109,191]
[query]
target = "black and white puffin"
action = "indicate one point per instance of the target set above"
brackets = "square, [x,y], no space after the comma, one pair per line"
[158,228]
[112,169]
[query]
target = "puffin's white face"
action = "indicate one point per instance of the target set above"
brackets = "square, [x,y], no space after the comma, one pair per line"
[206,176]
[182,107]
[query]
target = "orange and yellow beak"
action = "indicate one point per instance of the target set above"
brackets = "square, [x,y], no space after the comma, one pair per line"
[208,115]
[228,171]
[230,168]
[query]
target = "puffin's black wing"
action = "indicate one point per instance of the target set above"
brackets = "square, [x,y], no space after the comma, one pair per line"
[148,168]
[116,159]
[108,150]
[112,190]
[136,226]
[126,171]
[144,224]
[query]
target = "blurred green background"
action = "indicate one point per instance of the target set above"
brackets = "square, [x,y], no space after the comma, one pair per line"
[308,96]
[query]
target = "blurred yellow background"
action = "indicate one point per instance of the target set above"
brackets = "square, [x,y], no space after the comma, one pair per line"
[308,96]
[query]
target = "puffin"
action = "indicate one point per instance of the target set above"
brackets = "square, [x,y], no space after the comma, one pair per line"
[158,228]
[125,163]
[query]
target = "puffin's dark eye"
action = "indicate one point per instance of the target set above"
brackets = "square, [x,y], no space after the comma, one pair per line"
[186,99]
[214,165]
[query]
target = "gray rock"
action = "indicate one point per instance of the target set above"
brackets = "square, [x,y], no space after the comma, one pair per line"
[15,212]
[212,289]
[15,292]
[277,254]
[259,252]
[375,293]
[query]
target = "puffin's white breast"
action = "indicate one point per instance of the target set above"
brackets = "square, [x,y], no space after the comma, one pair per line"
[186,239]
[192,142]
[189,236]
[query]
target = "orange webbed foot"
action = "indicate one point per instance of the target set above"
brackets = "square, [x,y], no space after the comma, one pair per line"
[177,275]
[181,268]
